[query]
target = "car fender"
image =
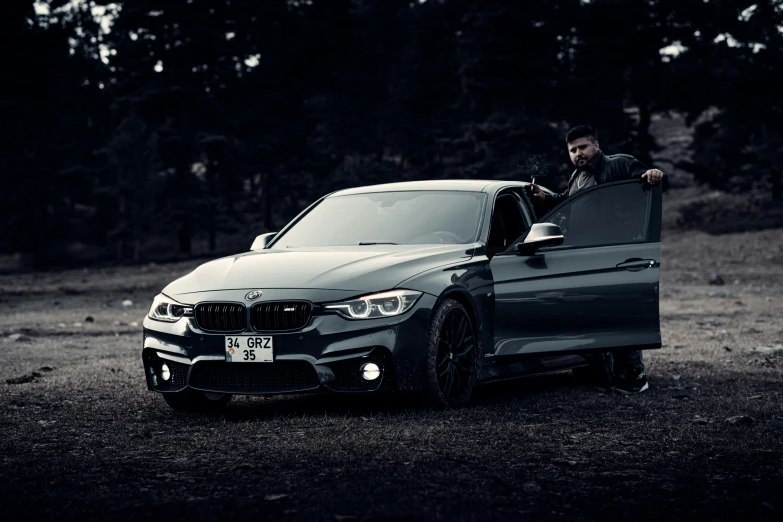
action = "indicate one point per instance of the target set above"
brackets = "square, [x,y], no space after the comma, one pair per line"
[470,282]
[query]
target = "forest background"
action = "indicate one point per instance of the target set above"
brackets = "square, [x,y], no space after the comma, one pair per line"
[165,129]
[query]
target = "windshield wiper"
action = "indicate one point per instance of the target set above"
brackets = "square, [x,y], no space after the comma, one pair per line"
[363,243]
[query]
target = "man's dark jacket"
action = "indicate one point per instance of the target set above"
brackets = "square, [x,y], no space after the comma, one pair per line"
[606,169]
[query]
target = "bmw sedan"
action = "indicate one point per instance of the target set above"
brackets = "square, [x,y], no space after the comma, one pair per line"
[429,286]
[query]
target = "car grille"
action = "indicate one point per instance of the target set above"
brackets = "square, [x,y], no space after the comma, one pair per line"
[281,376]
[281,316]
[221,317]
[348,377]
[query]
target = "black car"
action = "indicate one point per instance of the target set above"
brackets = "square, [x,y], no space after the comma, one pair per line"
[430,286]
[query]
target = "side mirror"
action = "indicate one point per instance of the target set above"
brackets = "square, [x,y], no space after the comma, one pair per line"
[541,235]
[262,241]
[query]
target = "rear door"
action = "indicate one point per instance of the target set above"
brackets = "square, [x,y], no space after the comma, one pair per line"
[599,289]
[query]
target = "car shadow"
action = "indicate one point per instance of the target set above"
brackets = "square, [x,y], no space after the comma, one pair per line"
[244,408]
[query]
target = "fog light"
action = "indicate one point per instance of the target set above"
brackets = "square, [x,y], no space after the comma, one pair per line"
[165,373]
[370,371]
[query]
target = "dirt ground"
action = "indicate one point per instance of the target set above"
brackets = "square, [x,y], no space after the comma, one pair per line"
[81,437]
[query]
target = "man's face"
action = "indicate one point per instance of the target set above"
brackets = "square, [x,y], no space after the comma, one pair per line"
[582,151]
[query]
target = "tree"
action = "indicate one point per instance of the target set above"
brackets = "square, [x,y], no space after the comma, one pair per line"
[49,127]
[732,57]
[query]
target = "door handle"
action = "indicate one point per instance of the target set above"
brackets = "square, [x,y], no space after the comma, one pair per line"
[635,264]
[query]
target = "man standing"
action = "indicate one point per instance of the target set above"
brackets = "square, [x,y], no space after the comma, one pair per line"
[593,167]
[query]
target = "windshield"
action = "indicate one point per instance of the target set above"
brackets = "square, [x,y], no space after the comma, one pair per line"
[399,218]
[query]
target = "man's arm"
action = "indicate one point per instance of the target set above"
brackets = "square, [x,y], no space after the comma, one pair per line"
[637,169]
[548,202]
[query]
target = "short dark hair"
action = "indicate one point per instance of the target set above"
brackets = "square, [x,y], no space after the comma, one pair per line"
[580,131]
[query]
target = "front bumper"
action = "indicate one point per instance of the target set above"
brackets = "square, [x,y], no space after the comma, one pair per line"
[326,354]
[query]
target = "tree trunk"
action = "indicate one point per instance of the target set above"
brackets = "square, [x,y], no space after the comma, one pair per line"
[268,180]
[136,230]
[184,239]
[122,220]
[646,142]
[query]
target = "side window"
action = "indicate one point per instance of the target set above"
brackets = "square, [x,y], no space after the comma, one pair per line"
[605,215]
[527,207]
[508,223]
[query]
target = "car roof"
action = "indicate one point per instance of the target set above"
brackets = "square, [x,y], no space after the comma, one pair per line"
[464,185]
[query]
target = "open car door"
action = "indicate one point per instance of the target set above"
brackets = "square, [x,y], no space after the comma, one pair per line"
[597,290]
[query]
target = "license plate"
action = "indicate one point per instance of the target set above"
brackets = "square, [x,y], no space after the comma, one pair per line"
[248,348]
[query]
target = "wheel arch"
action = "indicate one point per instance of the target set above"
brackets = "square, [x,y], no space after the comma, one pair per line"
[480,323]
[471,284]
[463,298]
[451,300]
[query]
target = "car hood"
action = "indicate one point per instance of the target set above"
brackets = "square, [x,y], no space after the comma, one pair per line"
[359,269]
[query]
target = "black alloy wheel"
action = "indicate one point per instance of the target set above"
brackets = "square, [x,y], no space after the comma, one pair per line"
[451,356]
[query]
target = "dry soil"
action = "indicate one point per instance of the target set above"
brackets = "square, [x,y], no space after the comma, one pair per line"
[81,437]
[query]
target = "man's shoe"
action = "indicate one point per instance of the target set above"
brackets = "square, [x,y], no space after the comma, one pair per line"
[633,380]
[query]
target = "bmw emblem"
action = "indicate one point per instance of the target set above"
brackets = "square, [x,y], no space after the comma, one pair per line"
[255,294]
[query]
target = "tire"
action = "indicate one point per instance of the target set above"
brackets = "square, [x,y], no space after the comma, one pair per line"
[600,371]
[451,357]
[195,401]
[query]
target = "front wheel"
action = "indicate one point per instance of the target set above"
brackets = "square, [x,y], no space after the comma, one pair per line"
[196,401]
[452,351]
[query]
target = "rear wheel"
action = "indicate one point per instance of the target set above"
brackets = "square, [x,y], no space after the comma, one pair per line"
[196,401]
[451,357]
[600,371]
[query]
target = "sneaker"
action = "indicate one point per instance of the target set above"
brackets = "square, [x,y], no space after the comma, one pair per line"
[633,380]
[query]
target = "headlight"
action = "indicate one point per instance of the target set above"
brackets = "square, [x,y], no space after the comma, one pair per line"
[385,304]
[168,310]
